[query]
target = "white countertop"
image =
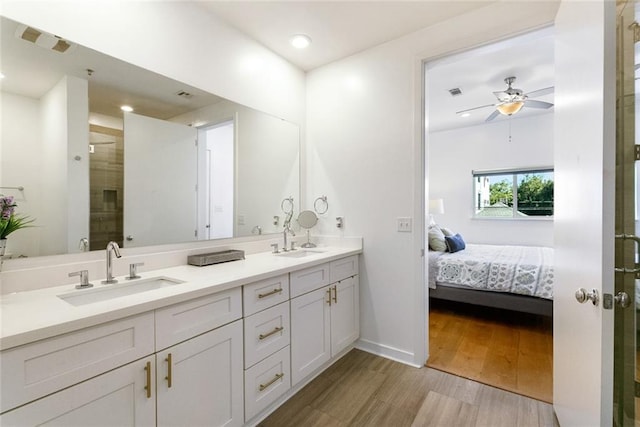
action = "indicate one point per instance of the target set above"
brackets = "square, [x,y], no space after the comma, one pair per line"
[39,314]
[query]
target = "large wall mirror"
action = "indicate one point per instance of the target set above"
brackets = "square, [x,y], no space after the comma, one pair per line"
[184,165]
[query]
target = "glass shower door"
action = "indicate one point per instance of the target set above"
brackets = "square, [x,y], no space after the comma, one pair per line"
[626,352]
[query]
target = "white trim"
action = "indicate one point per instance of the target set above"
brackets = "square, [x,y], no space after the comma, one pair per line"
[387,352]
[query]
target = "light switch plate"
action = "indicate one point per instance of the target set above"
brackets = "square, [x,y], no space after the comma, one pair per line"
[404,224]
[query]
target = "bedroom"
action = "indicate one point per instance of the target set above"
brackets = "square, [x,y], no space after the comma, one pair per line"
[464,149]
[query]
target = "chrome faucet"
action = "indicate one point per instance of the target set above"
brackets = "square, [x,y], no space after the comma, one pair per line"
[286,231]
[111,246]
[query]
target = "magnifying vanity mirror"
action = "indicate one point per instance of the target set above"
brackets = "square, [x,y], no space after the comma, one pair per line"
[184,165]
[307,219]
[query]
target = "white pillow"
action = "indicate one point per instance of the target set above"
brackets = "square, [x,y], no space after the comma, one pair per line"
[436,239]
[447,231]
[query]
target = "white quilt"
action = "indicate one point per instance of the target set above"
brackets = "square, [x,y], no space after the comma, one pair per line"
[525,270]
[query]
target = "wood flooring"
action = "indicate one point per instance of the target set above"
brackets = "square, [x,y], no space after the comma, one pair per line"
[362,389]
[509,350]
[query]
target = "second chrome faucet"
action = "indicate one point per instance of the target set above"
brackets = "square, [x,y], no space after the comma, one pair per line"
[111,247]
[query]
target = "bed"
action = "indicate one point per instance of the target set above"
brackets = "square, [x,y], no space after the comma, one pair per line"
[516,278]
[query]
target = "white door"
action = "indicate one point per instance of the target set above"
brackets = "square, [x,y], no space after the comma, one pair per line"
[345,314]
[200,381]
[116,398]
[584,211]
[310,333]
[160,177]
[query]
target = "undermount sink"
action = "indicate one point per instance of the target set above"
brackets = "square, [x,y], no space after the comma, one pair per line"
[300,253]
[98,293]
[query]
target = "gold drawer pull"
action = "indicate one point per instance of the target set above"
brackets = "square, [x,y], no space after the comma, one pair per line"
[273,380]
[168,377]
[335,294]
[329,296]
[268,334]
[147,387]
[268,294]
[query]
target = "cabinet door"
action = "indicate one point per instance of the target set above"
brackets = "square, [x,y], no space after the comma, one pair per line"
[310,333]
[345,314]
[200,381]
[116,398]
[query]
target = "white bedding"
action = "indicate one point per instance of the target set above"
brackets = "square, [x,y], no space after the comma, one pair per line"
[525,270]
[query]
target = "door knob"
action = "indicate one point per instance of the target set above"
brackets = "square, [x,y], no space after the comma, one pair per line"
[583,296]
[622,299]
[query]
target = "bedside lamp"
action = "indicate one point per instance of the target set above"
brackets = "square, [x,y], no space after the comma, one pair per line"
[436,206]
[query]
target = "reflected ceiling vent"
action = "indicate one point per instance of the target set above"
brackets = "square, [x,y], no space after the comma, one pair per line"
[44,40]
[455,91]
[184,94]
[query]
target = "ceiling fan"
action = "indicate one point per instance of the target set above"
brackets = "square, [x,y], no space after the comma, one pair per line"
[511,100]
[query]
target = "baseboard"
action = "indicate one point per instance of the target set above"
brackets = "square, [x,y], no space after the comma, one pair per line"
[387,352]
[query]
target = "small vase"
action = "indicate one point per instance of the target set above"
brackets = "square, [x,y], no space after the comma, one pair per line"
[3,246]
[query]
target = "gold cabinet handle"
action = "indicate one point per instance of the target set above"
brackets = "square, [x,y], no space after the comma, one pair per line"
[329,294]
[268,334]
[335,294]
[268,294]
[147,387]
[168,377]
[273,380]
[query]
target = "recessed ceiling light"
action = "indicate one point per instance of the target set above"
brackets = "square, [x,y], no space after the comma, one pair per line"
[126,108]
[465,114]
[300,41]
[1,75]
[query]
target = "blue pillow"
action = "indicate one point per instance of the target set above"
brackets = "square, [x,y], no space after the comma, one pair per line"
[454,243]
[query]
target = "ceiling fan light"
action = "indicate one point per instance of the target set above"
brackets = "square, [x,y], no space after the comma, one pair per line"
[509,108]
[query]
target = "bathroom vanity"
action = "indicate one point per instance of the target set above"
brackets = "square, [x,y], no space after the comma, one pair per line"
[217,345]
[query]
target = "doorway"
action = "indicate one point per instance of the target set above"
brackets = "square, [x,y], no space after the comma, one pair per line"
[468,139]
[219,180]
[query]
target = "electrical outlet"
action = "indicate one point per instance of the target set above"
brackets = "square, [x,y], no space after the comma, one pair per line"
[404,224]
[240,219]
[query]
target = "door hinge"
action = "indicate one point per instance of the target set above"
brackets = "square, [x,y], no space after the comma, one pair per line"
[195,233]
[637,151]
[636,31]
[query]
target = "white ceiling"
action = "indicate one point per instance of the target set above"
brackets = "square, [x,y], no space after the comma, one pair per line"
[342,28]
[337,28]
[480,72]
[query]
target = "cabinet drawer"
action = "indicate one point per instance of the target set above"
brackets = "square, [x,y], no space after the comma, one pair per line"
[35,370]
[307,280]
[264,294]
[343,268]
[266,382]
[265,333]
[182,321]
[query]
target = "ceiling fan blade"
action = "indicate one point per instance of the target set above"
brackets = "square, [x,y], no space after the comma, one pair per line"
[492,116]
[541,92]
[537,104]
[475,108]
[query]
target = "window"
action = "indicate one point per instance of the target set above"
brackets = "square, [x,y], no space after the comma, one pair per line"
[513,193]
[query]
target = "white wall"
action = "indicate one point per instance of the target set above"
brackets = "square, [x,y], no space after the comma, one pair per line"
[364,139]
[20,148]
[181,40]
[77,152]
[453,154]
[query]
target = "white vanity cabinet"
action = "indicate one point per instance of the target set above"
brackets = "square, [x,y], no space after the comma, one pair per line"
[324,321]
[196,380]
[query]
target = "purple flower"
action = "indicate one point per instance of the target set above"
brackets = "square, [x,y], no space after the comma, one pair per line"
[7,207]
